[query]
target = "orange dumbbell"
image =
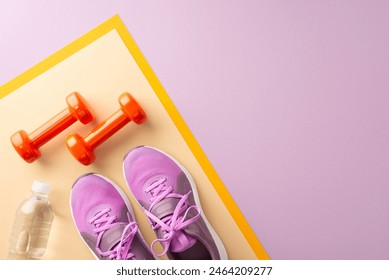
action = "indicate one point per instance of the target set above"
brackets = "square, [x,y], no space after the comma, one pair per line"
[27,145]
[83,148]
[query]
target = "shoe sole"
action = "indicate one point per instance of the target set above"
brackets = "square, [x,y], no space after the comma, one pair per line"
[215,236]
[126,201]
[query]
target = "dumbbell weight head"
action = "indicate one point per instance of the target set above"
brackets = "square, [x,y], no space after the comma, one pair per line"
[79,108]
[131,108]
[80,150]
[24,146]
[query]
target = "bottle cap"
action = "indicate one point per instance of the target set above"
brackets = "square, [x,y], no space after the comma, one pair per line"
[41,187]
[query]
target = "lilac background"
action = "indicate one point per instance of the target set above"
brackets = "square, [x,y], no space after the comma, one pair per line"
[289,100]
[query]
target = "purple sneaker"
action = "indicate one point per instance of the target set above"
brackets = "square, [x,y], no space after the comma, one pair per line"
[104,219]
[167,193]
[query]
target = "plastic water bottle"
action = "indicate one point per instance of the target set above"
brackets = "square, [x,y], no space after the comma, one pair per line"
[32,224]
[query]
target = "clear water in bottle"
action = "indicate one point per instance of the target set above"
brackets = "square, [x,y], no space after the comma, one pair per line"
[32,224]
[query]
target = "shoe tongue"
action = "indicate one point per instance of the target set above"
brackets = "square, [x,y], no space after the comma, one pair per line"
[165,207]
[111,237]
[181,240]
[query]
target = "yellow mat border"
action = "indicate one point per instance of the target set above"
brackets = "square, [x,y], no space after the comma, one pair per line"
[116,23]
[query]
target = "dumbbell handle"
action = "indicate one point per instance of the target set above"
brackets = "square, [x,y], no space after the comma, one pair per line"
[53,127]
[106,129]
